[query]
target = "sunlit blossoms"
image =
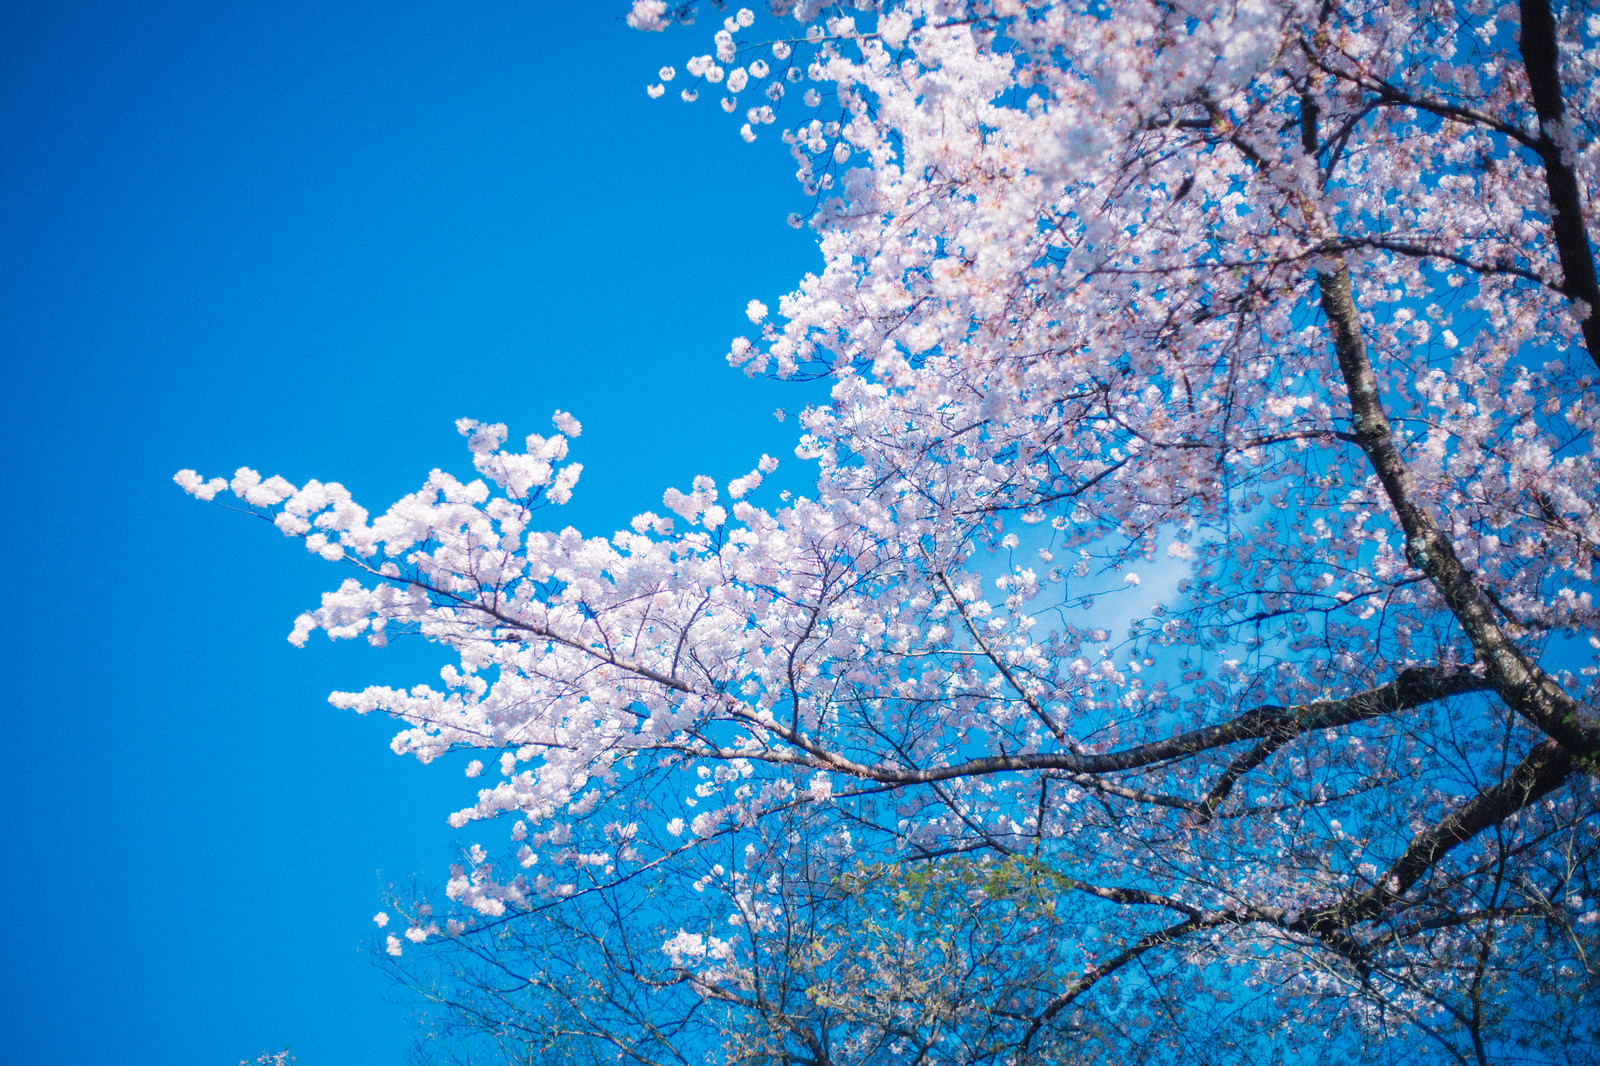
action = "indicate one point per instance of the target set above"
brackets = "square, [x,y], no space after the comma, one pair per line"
[1196,597]
[648,15]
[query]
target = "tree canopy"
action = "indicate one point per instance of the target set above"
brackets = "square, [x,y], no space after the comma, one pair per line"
[1282,307]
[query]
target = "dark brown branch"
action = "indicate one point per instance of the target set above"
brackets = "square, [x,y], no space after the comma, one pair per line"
[1088,980]
[999,663]
[1136,897]
[1412,688]
[1240,766]
[1423,251]
[1518,679]
[1390,95]
[1542,771]
[1540,60]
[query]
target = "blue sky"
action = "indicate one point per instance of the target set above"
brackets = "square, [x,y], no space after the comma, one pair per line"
[306,237]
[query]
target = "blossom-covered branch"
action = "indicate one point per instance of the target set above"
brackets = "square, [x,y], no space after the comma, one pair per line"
[1196,595]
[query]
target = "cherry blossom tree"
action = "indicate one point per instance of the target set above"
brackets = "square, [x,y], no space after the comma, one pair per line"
[1188,647]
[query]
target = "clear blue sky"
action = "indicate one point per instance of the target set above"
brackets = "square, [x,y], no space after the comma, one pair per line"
[306,236]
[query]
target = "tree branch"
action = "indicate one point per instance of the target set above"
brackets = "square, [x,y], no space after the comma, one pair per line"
[1540,60]
[1542,771]
[1517,678]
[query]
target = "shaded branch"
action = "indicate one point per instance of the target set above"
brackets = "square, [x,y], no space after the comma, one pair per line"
[1540,60]
[1516,677]
[1542,771]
